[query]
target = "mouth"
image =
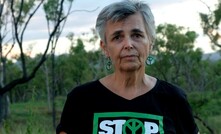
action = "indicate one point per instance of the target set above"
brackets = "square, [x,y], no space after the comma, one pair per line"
[128,56]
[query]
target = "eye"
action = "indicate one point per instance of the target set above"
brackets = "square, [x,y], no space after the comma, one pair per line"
[137,36]
[116,38]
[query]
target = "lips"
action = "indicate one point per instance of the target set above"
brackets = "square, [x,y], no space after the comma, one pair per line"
[129,55]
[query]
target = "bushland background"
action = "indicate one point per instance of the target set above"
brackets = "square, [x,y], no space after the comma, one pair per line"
[34,88]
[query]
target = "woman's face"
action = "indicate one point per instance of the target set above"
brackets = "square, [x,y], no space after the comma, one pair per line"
[127,43]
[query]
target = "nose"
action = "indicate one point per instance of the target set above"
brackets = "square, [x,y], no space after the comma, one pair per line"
[128,43]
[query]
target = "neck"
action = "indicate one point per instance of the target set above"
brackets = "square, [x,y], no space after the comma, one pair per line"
[129,86]
[129,80]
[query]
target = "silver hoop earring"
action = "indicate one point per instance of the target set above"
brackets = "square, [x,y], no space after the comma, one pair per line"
[150,60]
[108,64]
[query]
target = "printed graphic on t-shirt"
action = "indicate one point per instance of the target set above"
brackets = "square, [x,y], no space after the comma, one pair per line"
[127,123]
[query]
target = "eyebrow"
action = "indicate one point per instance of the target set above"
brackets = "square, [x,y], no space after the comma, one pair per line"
[133,31]
[137,31]
[116,33]
[120,31]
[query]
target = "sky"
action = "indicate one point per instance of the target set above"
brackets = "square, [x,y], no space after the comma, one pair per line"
[180,12]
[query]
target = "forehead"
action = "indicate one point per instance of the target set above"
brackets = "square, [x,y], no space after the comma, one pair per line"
[134,21]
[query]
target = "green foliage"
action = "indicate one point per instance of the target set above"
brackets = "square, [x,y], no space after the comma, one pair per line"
[12,74]
[217,14]
[177,62]
[211,25]
[17,15]
[51,8]
[32,88]
[207,106]
[55,9]
[22,9]
[173,39]
[78,62]
[30,117]
[206,103]
[78,49]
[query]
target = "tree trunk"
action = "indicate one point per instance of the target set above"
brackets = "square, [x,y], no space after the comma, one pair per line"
[53,90]
[47,85]
[205,124]
[4,99]
[4,107]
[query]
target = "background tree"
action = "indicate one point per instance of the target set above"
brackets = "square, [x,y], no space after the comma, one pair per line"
[178,63]
[55,12]
[176,60]
[211,25]
[20,14]
[174,54]
[78,61]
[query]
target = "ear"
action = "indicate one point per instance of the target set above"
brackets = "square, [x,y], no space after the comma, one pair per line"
[104,48]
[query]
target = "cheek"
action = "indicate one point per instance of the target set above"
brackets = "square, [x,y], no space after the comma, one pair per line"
[145,51]
[109,52]
[114,55]
[144,57]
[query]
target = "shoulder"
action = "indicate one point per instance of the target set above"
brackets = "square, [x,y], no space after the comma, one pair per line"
[169,89]
[84,89]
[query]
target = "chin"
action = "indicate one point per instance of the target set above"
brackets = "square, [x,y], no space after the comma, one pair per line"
[130,68]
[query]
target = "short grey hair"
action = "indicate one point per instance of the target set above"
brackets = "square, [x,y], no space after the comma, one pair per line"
[118,11]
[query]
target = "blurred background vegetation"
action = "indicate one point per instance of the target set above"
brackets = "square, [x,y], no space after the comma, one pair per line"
[33,89]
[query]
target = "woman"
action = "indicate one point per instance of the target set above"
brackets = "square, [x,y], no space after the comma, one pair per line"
[128,101]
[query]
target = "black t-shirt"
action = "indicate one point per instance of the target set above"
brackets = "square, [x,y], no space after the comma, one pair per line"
[93,109]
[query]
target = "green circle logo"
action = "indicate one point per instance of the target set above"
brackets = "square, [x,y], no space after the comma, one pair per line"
[133,125]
